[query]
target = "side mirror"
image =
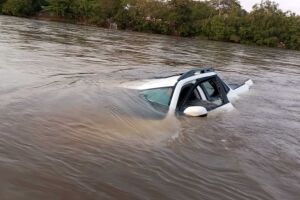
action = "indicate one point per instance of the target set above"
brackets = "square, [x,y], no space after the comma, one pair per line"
[195,111]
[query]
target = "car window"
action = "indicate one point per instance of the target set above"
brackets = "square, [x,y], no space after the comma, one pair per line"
[212,92]
[209,88]
[194,95]
[160,96]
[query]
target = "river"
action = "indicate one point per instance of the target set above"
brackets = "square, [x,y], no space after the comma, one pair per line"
[68,131]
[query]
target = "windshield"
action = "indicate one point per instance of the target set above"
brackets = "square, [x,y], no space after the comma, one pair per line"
[161,96]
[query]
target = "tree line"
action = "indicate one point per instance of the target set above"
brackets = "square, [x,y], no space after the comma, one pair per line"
[220,20]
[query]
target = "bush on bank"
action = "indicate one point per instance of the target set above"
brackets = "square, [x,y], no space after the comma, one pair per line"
[21,7]
[222,20]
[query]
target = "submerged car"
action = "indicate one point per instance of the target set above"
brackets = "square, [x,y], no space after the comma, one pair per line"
[194,93]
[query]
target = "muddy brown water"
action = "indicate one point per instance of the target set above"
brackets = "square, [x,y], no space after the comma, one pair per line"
[67,131]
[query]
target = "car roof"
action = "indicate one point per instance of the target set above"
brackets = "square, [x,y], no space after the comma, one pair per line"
[167,81]
[153,83]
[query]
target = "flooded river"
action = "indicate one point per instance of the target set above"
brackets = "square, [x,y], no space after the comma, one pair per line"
[68,131]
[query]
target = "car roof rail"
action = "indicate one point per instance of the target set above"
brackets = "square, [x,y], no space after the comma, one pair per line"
[195,71]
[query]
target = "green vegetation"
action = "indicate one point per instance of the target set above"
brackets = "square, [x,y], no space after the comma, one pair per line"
[21,7]
[222,20]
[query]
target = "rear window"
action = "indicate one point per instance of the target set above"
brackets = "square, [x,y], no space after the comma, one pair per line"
[161,96]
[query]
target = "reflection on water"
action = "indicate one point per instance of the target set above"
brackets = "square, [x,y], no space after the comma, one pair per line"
[67,131]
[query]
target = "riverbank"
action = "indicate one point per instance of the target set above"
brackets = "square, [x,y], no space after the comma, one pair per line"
[44,16]
[266,25]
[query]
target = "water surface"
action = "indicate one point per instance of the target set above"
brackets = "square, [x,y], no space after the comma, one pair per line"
[67,131]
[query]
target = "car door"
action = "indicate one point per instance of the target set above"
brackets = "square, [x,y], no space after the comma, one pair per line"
[211,94]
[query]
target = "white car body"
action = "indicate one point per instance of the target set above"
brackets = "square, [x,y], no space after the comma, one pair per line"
[198,76]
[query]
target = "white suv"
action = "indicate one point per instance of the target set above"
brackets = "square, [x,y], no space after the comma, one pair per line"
[194,93]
